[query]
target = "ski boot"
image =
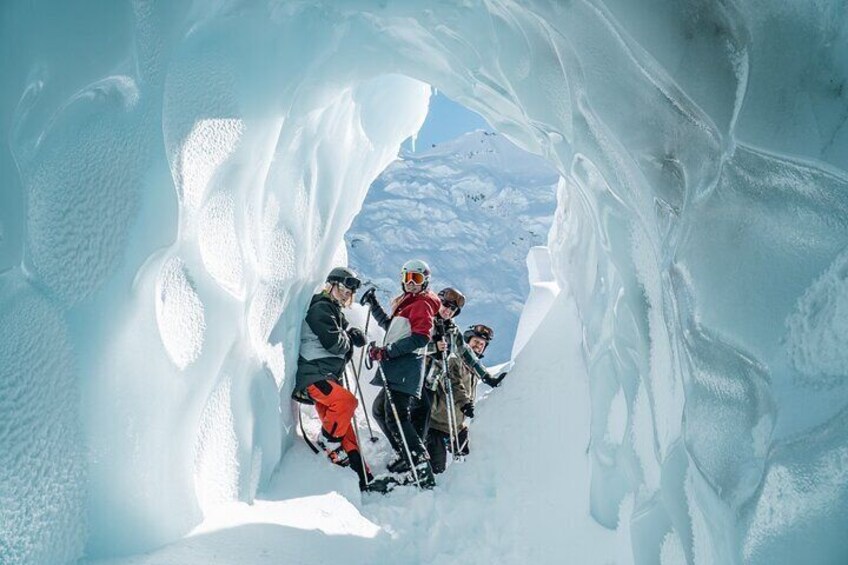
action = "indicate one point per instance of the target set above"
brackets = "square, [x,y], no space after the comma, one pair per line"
[336,455]
[399,465]
[383,484]
[424,472]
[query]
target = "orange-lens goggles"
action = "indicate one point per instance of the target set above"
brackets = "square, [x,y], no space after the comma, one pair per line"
[417,278]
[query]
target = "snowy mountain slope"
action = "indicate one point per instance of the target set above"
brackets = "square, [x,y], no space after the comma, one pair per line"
[472,208]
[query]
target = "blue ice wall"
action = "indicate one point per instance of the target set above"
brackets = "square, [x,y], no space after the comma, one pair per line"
[176,177]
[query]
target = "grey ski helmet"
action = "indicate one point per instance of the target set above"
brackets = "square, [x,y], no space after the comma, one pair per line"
[413,268]
[344,277]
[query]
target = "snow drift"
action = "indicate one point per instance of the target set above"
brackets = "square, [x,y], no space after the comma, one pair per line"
[177,175]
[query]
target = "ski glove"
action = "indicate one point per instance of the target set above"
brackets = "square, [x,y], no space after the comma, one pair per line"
[468,410]
[356,336]
[377,353]
[368,297]
[494,381]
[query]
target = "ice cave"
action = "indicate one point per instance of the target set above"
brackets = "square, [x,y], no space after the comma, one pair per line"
[177,177]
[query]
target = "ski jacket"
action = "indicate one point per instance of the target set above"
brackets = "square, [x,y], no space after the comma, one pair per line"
[407,332]
[325,345]
[463,370]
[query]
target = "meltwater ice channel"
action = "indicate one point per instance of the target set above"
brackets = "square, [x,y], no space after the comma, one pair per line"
[177,175]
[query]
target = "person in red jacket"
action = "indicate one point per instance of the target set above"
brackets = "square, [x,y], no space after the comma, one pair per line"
[401,358]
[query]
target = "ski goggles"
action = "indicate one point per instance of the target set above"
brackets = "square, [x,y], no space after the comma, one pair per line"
[483,332]
[413,277]
[451,305]
[350,283]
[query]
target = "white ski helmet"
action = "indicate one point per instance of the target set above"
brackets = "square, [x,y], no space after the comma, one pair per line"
[418,270]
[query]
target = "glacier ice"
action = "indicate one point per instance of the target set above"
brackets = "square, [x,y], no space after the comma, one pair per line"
[177,175]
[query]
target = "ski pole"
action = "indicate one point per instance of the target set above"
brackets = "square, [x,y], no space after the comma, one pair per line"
[454,433]
[356,373]
[356,435]
[358,391]
[450,406]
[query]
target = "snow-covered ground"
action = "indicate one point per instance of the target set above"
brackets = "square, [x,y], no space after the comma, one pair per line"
[520,497]
[472,208]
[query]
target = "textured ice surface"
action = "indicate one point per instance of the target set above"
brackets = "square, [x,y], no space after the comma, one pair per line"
[175,176]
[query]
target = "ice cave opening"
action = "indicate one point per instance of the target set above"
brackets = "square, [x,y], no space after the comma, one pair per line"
[177,175]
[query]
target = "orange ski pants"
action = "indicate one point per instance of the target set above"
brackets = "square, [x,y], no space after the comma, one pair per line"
[335,406]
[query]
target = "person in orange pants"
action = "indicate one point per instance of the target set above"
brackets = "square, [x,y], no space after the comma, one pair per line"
[335,406]
[326,345]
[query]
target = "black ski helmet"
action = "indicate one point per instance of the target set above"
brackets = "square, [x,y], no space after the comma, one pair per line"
[482,331]
[452,298]
[345,277]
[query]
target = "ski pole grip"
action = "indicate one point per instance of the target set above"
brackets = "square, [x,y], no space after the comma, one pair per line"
[369,364]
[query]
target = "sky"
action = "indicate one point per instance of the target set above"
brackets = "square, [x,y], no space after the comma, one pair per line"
[445,121]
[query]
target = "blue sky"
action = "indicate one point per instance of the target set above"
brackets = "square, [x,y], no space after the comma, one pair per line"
[445,121]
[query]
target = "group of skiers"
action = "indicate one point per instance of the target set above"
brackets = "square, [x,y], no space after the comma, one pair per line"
[427,369]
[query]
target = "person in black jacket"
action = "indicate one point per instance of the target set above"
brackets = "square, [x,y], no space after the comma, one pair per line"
[326,345]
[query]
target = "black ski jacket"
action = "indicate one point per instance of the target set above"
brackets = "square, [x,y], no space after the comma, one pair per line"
[325,346]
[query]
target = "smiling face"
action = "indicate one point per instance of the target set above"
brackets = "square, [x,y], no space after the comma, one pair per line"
[446,312]
[477,344]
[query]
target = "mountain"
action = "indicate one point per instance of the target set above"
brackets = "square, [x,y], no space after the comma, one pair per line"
[472,208]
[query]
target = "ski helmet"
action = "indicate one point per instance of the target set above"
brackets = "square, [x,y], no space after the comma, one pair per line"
[482,331]
[417,271]
[452,298]
[345,277]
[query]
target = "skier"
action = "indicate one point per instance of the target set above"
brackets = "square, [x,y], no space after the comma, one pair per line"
[326,345]
[452,302]
[401,364]
[463,370]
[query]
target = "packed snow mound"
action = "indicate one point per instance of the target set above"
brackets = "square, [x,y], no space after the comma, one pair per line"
[178,177]
[472,208]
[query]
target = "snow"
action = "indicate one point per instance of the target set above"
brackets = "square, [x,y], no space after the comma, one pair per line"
[178,179]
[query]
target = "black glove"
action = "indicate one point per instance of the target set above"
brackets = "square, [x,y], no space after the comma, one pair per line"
[494,381]
[356,336]
[368,297]
[468,410]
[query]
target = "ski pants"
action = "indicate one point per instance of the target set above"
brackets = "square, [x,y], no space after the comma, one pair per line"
[384,417]
[335,406]
[438,444]
[421,413]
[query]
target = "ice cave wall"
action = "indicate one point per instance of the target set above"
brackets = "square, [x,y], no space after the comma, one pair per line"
[176,175]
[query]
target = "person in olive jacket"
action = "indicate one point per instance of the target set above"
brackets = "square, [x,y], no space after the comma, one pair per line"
[326,345]
[463,370]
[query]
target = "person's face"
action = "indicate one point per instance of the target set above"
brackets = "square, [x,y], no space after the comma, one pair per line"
[341,293]
[446,312]
[413,288]
[477,345]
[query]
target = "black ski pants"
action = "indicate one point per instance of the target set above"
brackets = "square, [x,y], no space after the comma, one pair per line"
[382,412]
[438,445]
[421,413]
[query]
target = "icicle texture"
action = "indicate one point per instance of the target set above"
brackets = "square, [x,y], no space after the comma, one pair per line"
[179,174]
